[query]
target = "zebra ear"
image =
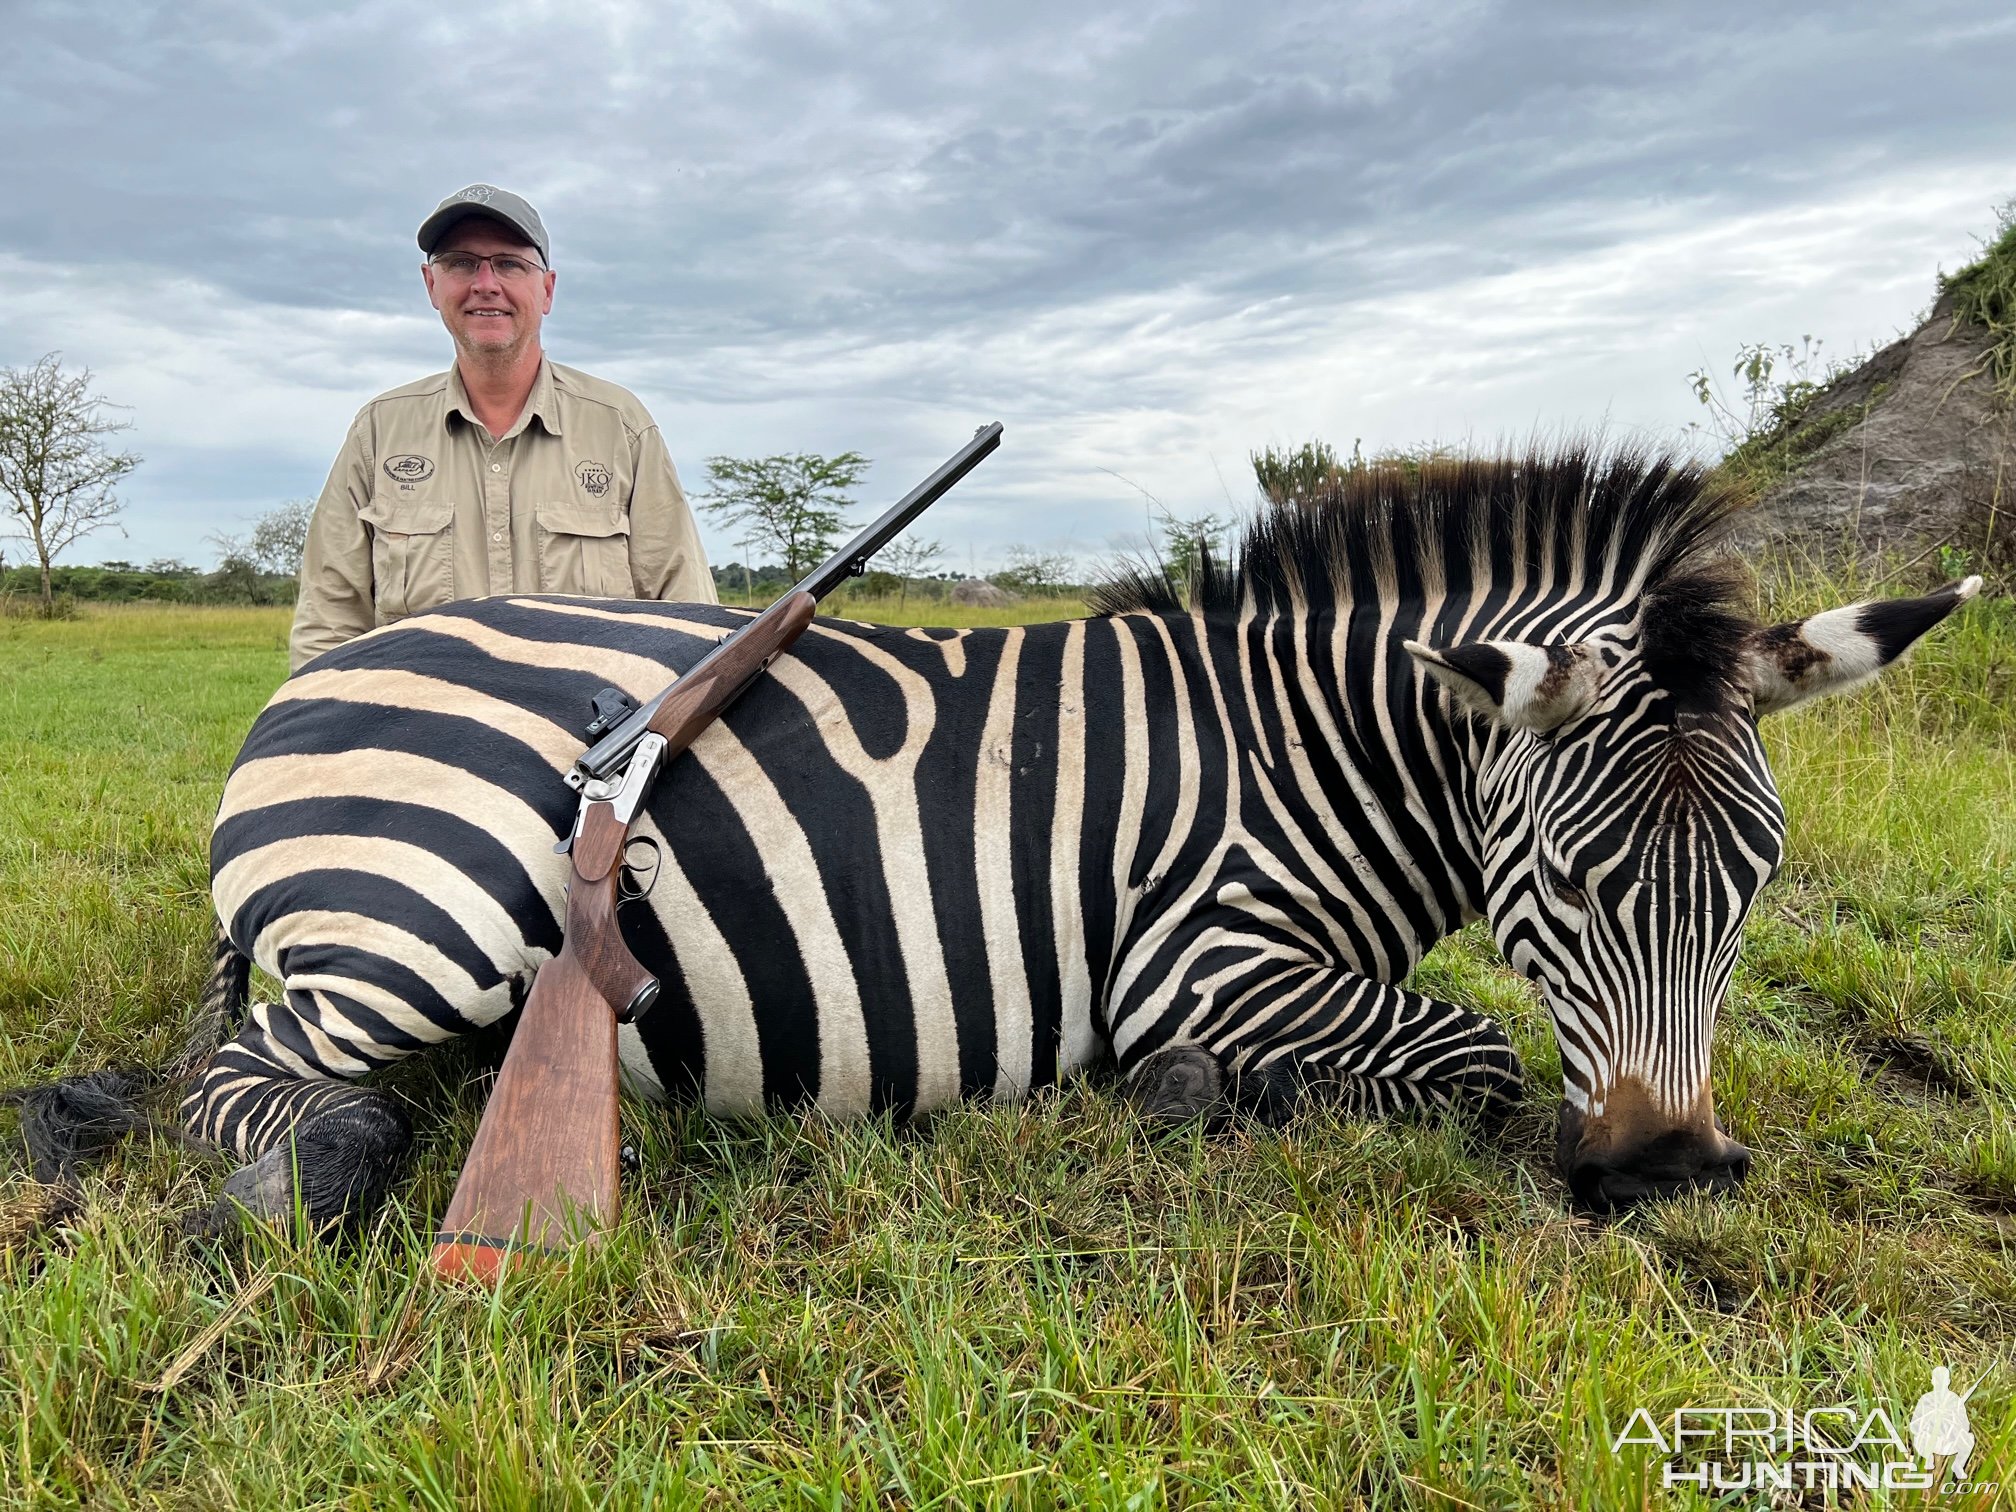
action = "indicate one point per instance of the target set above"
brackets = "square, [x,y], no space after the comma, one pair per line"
[1526,687]
[1841,648]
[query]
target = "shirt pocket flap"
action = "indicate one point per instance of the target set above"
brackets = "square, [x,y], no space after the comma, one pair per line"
[407,517]
[565,518]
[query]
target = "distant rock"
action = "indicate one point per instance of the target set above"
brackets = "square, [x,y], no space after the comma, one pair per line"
[1912,450]
[976,593]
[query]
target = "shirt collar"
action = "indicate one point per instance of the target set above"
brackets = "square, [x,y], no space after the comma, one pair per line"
[542,404]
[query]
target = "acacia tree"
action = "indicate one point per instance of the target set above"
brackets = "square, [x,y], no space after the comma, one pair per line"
[1185,543]
[1286,475]
[278,539]
[793,503]
[56,475]
[280,536]
[910,558]
[1033,574]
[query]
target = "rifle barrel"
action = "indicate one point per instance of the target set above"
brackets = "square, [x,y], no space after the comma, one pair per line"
[601,760]
[852,559]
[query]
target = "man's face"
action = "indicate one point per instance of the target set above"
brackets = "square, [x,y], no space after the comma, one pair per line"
[489,316]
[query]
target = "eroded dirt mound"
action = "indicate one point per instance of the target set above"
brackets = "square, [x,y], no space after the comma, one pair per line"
[1913,450]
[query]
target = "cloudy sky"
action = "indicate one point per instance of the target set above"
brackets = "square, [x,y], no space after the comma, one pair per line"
[1147,238]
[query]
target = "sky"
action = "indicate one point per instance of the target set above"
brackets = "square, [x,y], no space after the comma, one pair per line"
[1149,239]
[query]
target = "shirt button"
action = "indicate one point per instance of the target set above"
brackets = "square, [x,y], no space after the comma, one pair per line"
[498,536]
[496,467]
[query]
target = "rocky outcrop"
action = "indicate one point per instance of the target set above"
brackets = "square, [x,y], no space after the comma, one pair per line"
[1912,450]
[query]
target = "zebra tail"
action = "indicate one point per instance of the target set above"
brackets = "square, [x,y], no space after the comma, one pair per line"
[72,1122]
[220,1014]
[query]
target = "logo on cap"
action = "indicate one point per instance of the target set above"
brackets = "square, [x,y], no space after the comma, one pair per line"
[481,193]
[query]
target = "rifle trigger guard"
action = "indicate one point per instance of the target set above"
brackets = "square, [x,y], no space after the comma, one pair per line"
[628,888]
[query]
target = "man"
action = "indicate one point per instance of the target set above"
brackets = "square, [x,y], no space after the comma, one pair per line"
[506,474]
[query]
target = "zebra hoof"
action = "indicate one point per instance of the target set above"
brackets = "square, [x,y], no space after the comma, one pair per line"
[1178,1085]
[265,1188]
[262,1192]
[335,1167]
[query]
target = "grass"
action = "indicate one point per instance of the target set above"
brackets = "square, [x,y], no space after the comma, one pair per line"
[1984,294]
[1026,1307]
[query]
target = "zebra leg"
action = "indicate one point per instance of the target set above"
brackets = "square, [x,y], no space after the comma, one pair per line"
[307,1138]
[1372,1048]
[1398,1052]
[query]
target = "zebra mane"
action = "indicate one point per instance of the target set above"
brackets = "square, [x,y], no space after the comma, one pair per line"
[1460,528]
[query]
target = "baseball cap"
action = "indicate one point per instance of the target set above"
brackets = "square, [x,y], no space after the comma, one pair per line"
[486,199]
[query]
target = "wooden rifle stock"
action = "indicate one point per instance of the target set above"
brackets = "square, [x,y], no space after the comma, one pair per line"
[542,1171]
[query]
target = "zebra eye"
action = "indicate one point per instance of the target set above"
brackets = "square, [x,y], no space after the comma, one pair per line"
[1561,887]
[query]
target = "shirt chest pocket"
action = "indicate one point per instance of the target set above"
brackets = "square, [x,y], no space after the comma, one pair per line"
[584,548]
[412,556]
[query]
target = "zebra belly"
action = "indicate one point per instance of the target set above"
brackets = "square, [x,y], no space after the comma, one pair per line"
[732,1084]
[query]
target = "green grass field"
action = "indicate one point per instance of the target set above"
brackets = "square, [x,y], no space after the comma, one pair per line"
[1036,1307]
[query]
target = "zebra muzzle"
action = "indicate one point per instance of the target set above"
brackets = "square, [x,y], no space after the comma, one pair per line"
[1611,1166]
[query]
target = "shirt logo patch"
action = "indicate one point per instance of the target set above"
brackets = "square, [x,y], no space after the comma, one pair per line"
[409,469]
[594,478]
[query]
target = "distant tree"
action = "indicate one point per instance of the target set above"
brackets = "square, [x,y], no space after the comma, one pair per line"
[55,472]
[910,558]
[281,536]
[1185,542]
[1405,460]
[1300,475]
[793,503]
[1033,573]
[1291,476]
[236,581]
[276,543]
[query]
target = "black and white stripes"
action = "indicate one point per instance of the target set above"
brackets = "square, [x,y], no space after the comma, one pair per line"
[912,866]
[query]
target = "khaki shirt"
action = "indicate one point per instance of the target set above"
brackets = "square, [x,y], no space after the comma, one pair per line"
[423,507]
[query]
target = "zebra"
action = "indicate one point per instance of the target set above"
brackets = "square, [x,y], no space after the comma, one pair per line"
[1205,837]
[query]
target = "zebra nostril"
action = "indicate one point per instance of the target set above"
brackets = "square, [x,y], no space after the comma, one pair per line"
[1589,1187]
[1735,1164]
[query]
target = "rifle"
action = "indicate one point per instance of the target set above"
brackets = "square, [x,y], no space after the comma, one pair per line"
[543,1168]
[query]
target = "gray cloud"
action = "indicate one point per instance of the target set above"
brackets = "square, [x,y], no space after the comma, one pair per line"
[1147,238]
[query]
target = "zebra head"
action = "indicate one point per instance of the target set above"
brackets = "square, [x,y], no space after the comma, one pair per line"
[1628,820]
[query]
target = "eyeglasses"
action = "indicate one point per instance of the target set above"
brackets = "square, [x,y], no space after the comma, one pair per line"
[506,265]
